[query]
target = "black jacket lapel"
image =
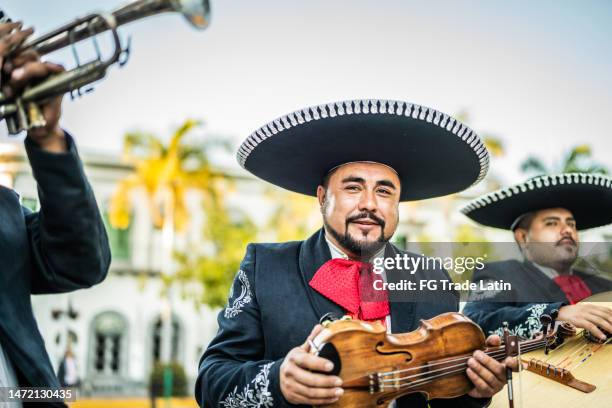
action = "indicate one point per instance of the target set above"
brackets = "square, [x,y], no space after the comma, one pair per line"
[402,312]
[314,252]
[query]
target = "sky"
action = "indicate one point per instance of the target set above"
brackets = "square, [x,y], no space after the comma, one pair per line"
[535,74]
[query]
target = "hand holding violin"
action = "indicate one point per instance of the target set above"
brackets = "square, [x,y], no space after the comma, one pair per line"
[300,385]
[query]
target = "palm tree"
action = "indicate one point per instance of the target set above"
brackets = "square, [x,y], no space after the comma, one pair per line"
[577,160]
[166,173]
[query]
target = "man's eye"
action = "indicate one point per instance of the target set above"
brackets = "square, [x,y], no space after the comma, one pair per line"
[352,188]
[384,191]
[551,223]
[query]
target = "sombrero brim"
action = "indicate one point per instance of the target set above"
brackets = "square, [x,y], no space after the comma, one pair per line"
[433,154]
[587,196]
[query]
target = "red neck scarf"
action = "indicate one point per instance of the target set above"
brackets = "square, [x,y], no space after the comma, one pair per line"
[574,288]
[350,285]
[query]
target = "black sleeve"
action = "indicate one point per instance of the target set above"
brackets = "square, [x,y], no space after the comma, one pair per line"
[68,241]
[491,310]
[233,372]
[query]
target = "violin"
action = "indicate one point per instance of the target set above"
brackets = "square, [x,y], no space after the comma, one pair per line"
[377,367]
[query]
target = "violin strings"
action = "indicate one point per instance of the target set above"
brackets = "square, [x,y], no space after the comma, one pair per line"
[429,378]
[463,364]
[497,352]
[431,375]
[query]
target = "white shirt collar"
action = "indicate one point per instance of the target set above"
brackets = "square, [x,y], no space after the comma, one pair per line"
[549,272]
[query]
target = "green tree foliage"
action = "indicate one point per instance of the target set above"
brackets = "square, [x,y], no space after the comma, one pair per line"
[577,160]
[226,234]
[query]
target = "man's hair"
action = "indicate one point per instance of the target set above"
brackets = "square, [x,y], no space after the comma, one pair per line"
[326,177]
[525,221]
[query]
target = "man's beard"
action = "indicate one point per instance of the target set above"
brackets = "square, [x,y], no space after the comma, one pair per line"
[361,248]
[558,255]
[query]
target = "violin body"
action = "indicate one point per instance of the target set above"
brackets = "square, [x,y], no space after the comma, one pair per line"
[377,367]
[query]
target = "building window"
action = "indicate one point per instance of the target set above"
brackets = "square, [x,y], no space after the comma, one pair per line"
[119,240]
[109,342]
[157,340]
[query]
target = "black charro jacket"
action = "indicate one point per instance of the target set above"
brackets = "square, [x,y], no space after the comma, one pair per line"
[61,248]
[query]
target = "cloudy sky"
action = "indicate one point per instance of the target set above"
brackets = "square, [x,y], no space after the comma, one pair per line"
[537,74]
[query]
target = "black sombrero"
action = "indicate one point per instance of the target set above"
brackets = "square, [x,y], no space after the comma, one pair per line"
[433,154]
[587,196]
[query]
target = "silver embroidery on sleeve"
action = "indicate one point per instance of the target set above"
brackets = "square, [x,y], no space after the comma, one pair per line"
[530,327]
[255,396]
[234,307]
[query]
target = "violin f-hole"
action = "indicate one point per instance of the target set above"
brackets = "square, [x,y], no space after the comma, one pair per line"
[380,348]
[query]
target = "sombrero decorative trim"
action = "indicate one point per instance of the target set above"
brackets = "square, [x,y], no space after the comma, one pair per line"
[581,193]
[293,123]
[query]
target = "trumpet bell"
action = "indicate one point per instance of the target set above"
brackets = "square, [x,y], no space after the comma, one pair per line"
[197,12]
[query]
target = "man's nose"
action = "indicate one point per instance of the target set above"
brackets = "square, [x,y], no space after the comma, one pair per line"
[567,230]
[367,201]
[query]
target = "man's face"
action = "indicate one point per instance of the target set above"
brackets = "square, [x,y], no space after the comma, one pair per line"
[360,207]
[552,238]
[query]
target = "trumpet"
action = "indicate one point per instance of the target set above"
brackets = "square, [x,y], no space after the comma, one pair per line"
[23,112]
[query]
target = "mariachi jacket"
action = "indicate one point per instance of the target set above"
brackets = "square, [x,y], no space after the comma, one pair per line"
[272,309]
[61,248]
[533,294]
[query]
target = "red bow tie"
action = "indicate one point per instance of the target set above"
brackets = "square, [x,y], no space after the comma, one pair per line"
[574,287]
[350,284]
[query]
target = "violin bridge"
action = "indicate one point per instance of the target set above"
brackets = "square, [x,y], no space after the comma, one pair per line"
[374,382]
[379,382]
[557,374]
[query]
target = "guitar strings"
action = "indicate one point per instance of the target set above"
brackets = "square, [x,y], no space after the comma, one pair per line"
[594,350]
[561,359]
[554,352]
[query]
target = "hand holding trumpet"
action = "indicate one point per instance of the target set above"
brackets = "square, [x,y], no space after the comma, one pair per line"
[23,70]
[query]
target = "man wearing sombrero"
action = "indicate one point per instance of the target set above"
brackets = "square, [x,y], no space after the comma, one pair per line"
[360,158]
[545,214]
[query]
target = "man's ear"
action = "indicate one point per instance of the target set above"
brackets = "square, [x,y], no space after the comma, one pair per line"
[321,195]
[520,235]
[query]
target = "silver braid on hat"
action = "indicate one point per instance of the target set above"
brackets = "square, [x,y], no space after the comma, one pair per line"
[365,106]
[538,183]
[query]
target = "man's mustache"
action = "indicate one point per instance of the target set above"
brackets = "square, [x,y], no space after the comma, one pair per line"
[565,240]
[366,215]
